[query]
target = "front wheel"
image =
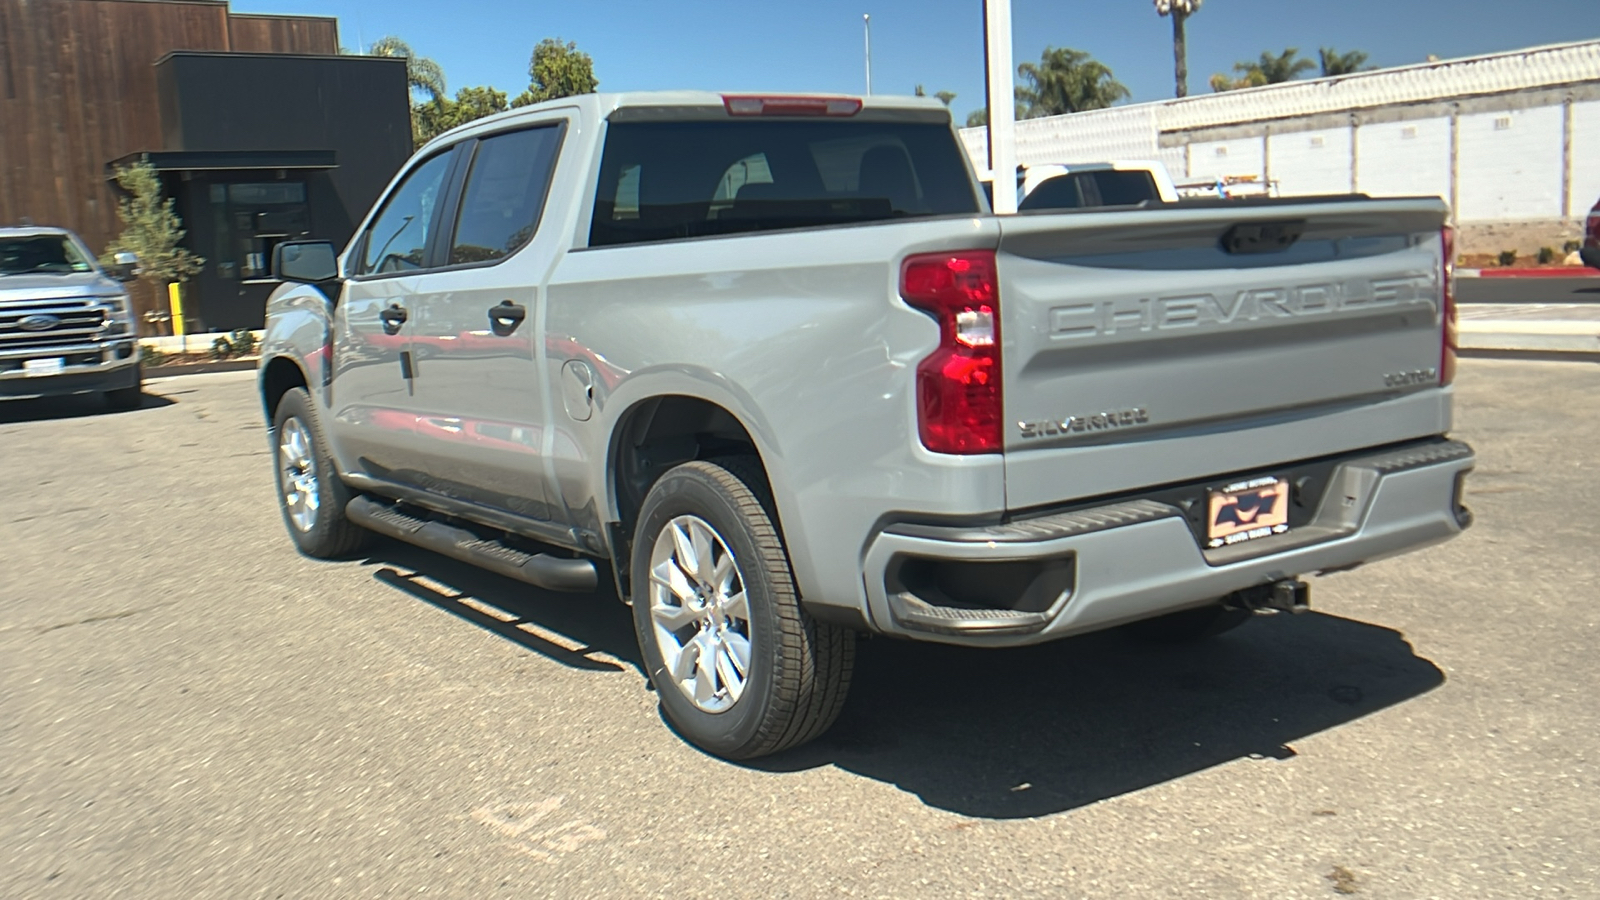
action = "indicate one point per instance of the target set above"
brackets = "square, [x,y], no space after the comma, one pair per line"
[131,397]
[740,668]
[311,496]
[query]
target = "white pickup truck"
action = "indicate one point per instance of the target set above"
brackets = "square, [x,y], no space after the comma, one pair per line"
[770,365]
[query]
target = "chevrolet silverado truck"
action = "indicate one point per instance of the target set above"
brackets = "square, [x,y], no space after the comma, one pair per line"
[770,365]
[66,323]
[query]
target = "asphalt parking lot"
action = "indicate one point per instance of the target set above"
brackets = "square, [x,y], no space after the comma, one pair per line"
[190,709]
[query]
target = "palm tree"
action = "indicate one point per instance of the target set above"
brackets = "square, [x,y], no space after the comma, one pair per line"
[1271,68]
[1180,11]
[1285,66]
[1067,81]
[422,73]
[1336,63]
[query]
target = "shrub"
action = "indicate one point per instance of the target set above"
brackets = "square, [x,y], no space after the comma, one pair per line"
[1571,247]
[1508,257]
[228,346]
[1547,255]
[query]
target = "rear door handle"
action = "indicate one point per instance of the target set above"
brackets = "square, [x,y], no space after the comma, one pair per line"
[505,317]
[392,318]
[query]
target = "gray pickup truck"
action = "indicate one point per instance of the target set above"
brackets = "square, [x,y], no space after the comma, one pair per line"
[66,323]
[771,364]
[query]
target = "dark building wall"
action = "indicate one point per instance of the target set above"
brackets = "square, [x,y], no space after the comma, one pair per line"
[356,106]
[78,89]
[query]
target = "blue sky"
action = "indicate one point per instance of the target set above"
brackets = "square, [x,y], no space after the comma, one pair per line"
[816,45]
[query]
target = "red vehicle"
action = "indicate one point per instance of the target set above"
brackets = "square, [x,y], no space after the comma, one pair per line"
[1591,239]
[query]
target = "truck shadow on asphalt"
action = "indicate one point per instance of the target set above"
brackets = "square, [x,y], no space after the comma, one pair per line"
[1037,730]
[576,630]
[74,406]
[1006,734]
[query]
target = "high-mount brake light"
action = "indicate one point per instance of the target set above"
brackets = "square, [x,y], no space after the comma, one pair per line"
[958,385]
[1447,307]
[790,106]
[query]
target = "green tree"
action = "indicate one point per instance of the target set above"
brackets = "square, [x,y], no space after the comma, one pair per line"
[557,70]
[1066,81]
[1271,68]
[150,228]
[1180,11]
[1336,63]
[437,116]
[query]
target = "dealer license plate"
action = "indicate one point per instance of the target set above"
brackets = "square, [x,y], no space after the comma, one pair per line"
[43,366]
[1248,510]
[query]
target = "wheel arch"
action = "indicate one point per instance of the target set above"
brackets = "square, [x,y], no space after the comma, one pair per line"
[279,375]
[650,437]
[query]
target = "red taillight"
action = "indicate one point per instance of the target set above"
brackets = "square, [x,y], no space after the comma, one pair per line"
[791,106]
[1593,238]
[958,386]
[1447,307]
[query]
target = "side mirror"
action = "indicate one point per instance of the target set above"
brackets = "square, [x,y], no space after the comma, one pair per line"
[308,262]
[124,266]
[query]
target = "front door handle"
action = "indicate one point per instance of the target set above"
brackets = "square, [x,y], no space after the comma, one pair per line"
[392,318]
[505,317]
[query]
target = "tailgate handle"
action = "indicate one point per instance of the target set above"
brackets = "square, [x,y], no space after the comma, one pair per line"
[1262,237]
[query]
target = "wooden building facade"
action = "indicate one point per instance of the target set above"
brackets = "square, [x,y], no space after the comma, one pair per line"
[78,89]
[88,83]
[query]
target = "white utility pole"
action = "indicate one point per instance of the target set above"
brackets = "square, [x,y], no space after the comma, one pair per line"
[1002,106]
[866,28]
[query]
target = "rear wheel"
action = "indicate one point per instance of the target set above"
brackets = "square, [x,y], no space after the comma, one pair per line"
[741,670]
[1189,625]
[311,496]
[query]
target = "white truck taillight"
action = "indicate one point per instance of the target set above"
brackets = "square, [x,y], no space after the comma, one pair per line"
[1447,307]
[958,385]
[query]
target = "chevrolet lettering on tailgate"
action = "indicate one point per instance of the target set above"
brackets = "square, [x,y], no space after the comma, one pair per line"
[1081,320]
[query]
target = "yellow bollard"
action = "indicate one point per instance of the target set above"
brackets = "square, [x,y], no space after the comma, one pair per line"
[175,304]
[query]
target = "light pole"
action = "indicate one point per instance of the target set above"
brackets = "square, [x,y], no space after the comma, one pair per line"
[866,28]
[1002,106]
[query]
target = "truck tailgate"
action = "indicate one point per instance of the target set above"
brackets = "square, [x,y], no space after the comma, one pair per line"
[1215,339]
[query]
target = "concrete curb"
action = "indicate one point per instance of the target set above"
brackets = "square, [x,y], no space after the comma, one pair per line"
[1554,272]
[1539,336]
[152,373]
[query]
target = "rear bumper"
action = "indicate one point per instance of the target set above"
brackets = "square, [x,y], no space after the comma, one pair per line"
[1139,558]
[88,368]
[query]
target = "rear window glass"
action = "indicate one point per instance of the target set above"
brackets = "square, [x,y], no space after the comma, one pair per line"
[1081,190]
[664,180]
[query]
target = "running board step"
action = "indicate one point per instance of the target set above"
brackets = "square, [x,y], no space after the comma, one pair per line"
[913,612]
[553,573]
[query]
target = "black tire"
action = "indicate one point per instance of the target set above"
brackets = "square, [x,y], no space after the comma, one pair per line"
[131,397]
[331,535]
[1189,625]
[799,670]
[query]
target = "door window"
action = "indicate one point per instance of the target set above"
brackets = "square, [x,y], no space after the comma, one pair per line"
[397,240]
[504,194]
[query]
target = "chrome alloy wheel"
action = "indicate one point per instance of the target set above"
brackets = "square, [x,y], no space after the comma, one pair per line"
[298,471]
[700,614]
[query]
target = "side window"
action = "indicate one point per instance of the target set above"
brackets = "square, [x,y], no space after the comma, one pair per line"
[397,241]
[505,193]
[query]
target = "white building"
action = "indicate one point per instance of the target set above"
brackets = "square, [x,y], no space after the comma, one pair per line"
[1511,140]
